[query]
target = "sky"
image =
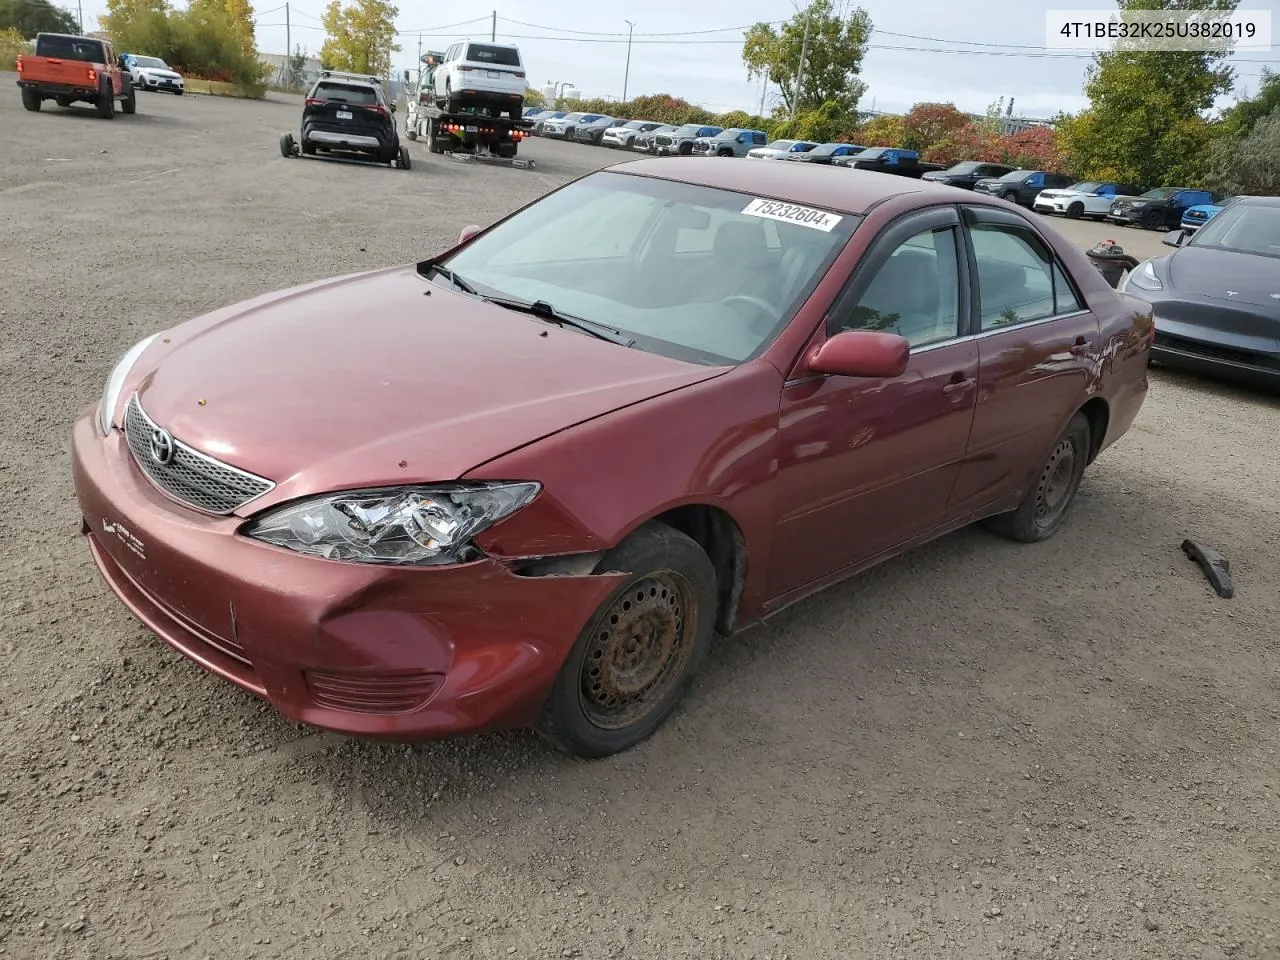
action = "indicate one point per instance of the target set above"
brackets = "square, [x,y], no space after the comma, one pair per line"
[968,52]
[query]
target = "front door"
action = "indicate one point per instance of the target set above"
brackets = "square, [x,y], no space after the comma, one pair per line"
[1038,348]
[867,464]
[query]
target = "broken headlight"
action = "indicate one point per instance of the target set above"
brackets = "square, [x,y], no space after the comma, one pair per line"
[425,525]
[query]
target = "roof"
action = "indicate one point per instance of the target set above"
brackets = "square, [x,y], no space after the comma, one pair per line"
[1247,200]
[834,188]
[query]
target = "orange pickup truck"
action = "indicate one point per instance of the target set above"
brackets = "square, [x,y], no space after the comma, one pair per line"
[67,69]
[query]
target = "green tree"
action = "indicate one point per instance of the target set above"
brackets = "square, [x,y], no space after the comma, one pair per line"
[882,131]
[1249,165]
[30,17]
[241,14]
[360,36]
[929,123]
[837,44]
[1145,122]
[1240,119]
[140,26]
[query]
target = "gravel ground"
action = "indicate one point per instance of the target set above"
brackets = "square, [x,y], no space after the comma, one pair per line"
[976,751]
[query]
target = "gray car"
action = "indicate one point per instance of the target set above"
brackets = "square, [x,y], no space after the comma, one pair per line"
[1216,298]
[680,141]
[734,142]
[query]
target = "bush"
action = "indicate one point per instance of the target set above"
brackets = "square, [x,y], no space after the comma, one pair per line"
[1249,164]
[12,46]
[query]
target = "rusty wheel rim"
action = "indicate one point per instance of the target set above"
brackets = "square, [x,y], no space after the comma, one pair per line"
[639,651]
[1054,489]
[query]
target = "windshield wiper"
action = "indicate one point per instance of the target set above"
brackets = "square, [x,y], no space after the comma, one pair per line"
[453,278]
[540,308]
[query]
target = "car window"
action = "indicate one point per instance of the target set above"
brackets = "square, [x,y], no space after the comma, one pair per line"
[70,48]
[1244,229]
[499,56]
[604,249]
[915,293]
[1014,284]
[701,239]
[346,93]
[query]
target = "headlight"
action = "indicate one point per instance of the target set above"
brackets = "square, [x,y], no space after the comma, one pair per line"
[1143,277]
[423,525]
[111,392]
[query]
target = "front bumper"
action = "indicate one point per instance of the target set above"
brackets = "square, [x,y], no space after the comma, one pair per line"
[392,653]
[1215,359]
[1127,218]
[158,83]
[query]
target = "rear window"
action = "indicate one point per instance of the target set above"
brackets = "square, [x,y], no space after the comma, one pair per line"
[502,56]
[70,48]
[347,93]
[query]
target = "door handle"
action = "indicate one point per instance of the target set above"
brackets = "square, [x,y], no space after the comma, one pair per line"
[956,387]
[1080,347]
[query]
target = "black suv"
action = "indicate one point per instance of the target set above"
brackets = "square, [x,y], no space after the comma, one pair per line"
[1022,186]
[967,172]
[348,113]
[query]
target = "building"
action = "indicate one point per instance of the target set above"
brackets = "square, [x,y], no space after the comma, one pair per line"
[279,65]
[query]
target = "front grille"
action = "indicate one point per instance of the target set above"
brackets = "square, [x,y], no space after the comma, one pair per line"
[662,141]
[192,478]
[1215,351]
[1196,215]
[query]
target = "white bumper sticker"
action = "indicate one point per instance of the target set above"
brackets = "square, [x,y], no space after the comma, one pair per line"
[792,213]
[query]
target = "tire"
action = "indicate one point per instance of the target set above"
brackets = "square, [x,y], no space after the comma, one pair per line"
[1075,210]
[129,102]
[1151,220]
[450,103]
[1011,197]
[433,139]
[1041,513]
[507,150]
[651,634]
[177,93]
[403,158]
[106,103]
[31,100]
[286,145]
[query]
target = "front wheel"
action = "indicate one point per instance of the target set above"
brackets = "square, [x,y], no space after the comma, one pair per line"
[1041,512]
[31,99]
[1074,210]
[178,92]
[636,657]
[1151,220]
[402,158]
[286,145]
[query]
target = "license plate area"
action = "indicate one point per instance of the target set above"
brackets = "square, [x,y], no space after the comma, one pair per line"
[494,74]
[472,129]
[343,114]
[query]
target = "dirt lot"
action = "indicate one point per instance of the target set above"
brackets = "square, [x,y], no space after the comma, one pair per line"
[981,750]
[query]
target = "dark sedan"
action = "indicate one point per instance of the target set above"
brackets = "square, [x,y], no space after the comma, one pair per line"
[1216,299]
[592,131]
[826,153]
[966,173]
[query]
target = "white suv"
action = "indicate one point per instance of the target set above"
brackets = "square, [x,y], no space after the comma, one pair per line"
[476,74]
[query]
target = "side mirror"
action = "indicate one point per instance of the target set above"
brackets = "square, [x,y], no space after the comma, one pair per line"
[468,232]
[862,353]
[1174,238]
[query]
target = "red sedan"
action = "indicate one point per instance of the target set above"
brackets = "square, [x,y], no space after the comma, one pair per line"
[526,482]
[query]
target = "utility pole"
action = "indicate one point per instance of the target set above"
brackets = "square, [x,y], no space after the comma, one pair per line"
[493,29]
[80,16]
[626,73]
[804,55]
[763,90]
[288,49]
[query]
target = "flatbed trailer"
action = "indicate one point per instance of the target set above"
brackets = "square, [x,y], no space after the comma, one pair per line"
[470,135]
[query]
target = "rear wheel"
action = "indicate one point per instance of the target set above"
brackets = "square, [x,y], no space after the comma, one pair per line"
[1074,210]
[1010,196]
[450,103]
[129,102]
[433,138]
[403,158]
[638,654]
[106,102]
[1041,512]
[31,99]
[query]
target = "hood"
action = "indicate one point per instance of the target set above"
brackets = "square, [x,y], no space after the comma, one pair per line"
[986,183]
[159,72]
[366,380]
[766,152]
[1059,192]
[1208,273]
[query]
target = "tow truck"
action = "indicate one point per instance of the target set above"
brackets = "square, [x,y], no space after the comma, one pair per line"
[465,134]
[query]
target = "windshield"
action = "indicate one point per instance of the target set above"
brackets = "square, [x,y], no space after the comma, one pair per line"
[1160,193]
[346,93]
[687,271]
[1019,175]
[871,153]
[634,124]
[1244,229]
[782,145]
[69,48]
[826,149]
[967,167]
[154,62]
[730,134]
[1085,186]
[689,129]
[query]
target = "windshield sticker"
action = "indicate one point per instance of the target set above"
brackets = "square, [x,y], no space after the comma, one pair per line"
[792,213]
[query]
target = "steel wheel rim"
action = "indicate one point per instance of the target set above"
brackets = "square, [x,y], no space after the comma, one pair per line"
[1054,488]
[638,651]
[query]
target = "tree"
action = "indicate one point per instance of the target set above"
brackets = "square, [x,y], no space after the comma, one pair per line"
[534,98]
[882,131]
[1250,165]
[973,141]
[360,36]
[141,26]
[241,14]
[930,123]
[837,44]
[1145,122]
[1035,148]
[1240,119]
[30,17]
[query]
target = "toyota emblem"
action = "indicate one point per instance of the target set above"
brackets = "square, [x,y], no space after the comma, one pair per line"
[161,446]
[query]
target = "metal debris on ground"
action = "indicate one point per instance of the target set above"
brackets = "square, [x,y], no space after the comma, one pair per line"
[1216,567]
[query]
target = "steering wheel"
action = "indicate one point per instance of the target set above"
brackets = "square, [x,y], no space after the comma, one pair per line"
[760,303]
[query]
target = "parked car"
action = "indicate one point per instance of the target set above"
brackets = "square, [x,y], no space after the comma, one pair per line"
[542,118]
[349,115]
[418,561]
[894,160]
[591,131]
[1216,298]
[1196,217]
[1088,198]
[563,127]
[643,142]
[481,74]
[966,173]
[152,73]
[779,149]
[1161,208]
[530,112]
[1021,186]
[733,142]
[71,69]
[825,154]
[623,133]
[679,142]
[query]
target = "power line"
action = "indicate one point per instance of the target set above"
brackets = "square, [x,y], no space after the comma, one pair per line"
[674,33]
